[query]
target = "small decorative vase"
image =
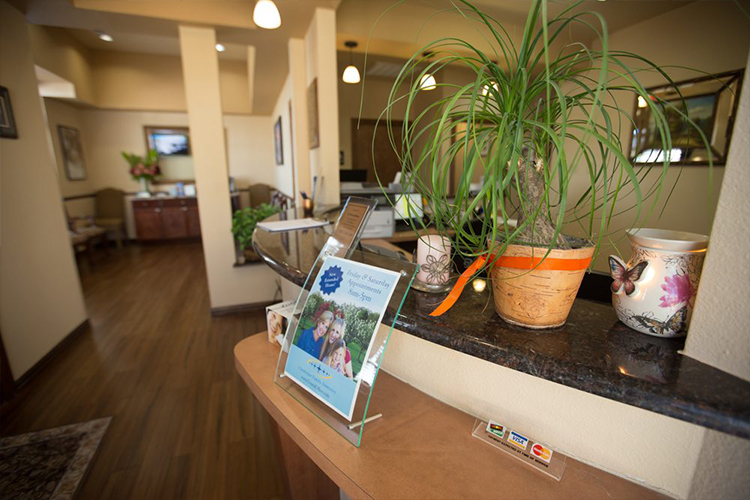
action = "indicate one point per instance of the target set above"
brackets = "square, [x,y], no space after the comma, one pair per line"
[145,192]
[654,293]
[434,257]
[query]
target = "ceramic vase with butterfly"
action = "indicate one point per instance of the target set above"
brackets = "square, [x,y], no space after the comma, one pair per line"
[654,292]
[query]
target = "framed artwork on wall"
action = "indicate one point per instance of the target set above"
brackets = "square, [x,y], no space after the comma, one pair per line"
[168,141]
[72,152]
[709,101]
[312,114]
[7,122]
[278,142]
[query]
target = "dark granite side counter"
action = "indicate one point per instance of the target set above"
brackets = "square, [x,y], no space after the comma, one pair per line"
[593,352]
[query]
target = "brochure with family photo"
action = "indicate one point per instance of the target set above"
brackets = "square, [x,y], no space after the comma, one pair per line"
[277,319]
[336,330]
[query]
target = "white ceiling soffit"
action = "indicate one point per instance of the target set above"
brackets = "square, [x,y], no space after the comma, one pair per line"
[52,85]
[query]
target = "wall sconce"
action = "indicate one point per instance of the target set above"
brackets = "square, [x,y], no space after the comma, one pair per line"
[266,15]
[351,73]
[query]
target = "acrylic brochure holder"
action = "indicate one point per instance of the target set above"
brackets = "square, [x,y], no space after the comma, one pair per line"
[369,364]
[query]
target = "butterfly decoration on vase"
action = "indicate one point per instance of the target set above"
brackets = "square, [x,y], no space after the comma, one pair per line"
[436,268]
[624,277]
[674,324]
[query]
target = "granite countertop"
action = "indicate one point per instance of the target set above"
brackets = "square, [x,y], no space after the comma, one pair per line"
[593,352]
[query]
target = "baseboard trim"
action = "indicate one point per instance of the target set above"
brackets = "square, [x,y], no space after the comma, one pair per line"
[240,308]
[39,365]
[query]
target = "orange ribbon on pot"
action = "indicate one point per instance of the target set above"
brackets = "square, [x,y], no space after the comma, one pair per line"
[454,294]
[515,262]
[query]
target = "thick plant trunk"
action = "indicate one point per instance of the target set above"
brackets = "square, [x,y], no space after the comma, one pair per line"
[540,230]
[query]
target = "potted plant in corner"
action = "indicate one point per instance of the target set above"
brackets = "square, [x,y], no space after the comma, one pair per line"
[540,118]
[243,225]
[144,169]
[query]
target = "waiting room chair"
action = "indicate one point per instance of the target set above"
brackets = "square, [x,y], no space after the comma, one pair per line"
[110,212]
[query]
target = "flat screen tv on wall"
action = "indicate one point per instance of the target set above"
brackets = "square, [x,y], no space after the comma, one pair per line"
[169,141]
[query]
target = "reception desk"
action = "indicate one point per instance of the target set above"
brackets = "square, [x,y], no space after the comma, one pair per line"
[613,398]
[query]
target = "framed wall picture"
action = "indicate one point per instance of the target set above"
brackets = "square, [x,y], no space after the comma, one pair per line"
[278,142]
[312,114]
[168,141]
[72,153]
[709,101]
[7,122]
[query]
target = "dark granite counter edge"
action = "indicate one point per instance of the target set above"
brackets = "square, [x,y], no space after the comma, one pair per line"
[565,373]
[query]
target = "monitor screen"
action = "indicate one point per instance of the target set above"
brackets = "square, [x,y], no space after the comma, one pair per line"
[414,209]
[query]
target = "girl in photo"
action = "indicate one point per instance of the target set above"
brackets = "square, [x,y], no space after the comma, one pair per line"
[336,333]
[336,358]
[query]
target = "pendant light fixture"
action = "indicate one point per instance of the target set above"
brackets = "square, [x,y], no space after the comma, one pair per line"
[266,15]
[427,82]
[351,73]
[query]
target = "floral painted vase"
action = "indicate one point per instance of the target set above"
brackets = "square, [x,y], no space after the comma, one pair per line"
[654,292]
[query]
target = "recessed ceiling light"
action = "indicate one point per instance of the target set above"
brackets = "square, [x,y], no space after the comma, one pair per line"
[220,47]
[103,36]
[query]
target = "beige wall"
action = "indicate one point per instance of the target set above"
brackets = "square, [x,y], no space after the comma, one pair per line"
[321,64]
[61,113]
[719,331]
[153,82]
[674,39]
[58,52]
[40,296]
[284,174]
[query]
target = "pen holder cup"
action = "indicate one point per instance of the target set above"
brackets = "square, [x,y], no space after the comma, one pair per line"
[307,207]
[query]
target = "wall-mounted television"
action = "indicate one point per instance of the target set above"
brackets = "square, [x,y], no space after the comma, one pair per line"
[168,141]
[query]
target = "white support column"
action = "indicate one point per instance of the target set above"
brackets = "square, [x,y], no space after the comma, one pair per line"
[251,74]
[300,133]
[227,285]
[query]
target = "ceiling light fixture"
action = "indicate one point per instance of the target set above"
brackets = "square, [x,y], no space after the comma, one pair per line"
[266,15]
[103,36]
[427,82]
[351,73]
[220,47]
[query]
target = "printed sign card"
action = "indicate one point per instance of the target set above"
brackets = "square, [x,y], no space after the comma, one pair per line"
[516,444]
[336,330]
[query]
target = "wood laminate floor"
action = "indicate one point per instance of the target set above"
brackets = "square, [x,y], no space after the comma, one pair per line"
[184,423]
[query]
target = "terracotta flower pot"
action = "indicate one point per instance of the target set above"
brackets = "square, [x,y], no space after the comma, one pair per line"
[542,297]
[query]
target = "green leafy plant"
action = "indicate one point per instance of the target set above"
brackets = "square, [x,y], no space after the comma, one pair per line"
[245,220]
[529,124]
[143,167]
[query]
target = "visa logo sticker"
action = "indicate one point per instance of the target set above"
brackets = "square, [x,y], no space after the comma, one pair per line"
[496,429]
[542,452]
[517,439]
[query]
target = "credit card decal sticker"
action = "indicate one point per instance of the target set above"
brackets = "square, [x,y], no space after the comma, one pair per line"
[518,440]
[542,452]
[496,429]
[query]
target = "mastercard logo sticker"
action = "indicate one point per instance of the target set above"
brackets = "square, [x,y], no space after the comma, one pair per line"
[541,451]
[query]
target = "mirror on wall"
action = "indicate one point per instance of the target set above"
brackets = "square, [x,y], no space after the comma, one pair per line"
[173,146]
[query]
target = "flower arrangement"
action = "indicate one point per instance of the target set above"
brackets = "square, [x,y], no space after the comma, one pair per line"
[146,167]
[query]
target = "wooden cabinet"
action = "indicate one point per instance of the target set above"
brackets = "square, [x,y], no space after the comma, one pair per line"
[170,219]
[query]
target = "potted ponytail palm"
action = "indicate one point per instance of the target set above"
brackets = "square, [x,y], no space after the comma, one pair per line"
[548,113]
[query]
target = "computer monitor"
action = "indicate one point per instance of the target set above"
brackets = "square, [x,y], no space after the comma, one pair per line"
[414,209]
[358,175]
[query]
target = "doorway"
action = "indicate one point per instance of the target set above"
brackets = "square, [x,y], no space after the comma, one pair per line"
[368,156]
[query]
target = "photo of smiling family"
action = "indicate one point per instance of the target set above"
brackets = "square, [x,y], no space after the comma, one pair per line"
[336,330]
